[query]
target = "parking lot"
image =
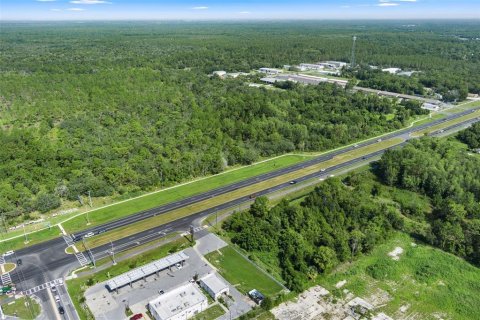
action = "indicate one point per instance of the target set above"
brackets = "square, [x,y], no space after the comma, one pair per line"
[112,305]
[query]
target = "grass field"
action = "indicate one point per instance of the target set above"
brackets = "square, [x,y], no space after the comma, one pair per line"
[23,308]
[431,282]
[211,313]
[241,273]
[77,287]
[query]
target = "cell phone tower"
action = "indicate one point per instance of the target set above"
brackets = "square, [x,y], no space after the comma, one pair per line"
[352,62]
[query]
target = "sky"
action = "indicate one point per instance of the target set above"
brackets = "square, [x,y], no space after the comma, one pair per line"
[237,10]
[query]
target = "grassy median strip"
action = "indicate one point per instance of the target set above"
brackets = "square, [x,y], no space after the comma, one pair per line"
[242,192]
[447,124]
[123,209]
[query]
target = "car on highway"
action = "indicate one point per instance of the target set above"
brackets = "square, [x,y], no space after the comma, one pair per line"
[293,182]
[53,288]
[88,235]
[379,140]
[8,253]
[57,298]
[61,310]
[355,146]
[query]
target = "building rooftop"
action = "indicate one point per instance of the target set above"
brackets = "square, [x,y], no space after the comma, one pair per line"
[146,270]
[214,283]
[177,300]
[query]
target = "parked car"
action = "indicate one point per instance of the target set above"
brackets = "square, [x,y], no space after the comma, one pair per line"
[136,316]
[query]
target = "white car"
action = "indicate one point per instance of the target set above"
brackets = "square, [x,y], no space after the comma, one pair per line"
[8,253]
[88,235]
[57,298]
[322,170]
[179,266]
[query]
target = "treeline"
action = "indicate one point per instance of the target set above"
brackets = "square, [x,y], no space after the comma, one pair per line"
[471,136]
[332,224]
[451,179]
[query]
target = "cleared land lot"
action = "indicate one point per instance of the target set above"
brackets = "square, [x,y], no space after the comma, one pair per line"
[424,283]
[241,273]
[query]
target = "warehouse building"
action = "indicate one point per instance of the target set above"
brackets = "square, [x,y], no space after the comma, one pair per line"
[214,286]
[179,304]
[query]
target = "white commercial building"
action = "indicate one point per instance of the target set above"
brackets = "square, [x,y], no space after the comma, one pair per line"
[179,304]
[392,70]
[270,70]
[214,286]
[309,66]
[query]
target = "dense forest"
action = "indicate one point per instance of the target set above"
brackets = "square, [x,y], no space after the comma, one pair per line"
[333,224]
[451,179]
[471,136]
[429,189]
[117,108]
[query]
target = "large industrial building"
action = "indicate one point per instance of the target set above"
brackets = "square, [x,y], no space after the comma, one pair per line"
[179,304]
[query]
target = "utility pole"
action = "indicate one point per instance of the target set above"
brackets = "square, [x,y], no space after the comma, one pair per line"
[352,62]
[112,252]
[25,233]
[90,200]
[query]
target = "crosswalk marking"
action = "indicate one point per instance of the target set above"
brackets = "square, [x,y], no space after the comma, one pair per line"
[6,279]
[79,255]
[196,229]
[43,286]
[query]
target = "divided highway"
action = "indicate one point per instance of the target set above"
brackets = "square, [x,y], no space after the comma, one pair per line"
[244,183]
[48,261]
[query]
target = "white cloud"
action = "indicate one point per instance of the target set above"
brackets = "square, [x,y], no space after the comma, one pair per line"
[387,4]
[56,10]
[90,2]
[244,12]
[200,8]
[46,0]
[76,9]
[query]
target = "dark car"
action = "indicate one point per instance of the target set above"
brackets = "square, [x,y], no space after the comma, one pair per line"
[136,316]
[61,310]
[19,262]
[293,182]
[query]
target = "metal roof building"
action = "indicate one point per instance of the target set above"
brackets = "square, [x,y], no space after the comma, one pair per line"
[214,286]
[146,270]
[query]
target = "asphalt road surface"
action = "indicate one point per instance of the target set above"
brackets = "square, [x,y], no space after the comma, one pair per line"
[48,261]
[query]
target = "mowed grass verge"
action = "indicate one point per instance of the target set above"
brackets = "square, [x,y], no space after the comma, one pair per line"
[23,308]
[430,281]
[186,211]
[241,273]
[33,238]
[447,124]
[116,211]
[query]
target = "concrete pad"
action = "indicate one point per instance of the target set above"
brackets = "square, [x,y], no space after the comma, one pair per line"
[209,243]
